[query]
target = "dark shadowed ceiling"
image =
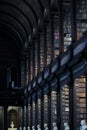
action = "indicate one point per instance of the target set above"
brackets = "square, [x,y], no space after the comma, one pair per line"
[19,20]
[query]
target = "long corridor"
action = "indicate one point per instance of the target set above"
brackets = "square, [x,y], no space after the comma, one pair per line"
[43,65]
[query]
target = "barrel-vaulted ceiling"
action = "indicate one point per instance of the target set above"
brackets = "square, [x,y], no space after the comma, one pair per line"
[21,18]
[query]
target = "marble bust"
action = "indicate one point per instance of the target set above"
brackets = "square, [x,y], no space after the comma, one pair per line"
[83,125]
[38,127]
[20,128]
[12,124]
[33,127]
[24,128]
[55,126]
[66,126]
[28,128]
[45,126]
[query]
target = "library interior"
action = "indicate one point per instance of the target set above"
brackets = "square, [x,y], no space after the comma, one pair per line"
[43,64]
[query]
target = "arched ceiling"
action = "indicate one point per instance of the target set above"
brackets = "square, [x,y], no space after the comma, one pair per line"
[19,22]
[20,17]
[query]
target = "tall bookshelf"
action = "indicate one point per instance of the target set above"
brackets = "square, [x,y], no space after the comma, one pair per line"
[81,17]
[64,102]
[45,109]
[41,51]
[80,100]
[49,46]
[39,110]
[66,24]
[53,107]
[56,35]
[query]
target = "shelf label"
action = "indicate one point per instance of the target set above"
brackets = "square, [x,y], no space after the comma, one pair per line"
[79,68]
[46,73]
[39,93]
[29,88]
[54,67]
[34,96]
[39,79]
[46,88]
[65,59]
[25,91]
[34,84]
[54,83]
[64,77]
[79,48]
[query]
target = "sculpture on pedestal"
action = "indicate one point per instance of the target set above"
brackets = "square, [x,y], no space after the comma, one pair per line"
[83,125]
[55,126]
[66,126]
[12,124]
[38,127]
[24,128]
[33,127]
[28,128]
[45,126]
[20,128]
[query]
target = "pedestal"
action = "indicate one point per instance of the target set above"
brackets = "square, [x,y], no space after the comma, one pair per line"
[12,128]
